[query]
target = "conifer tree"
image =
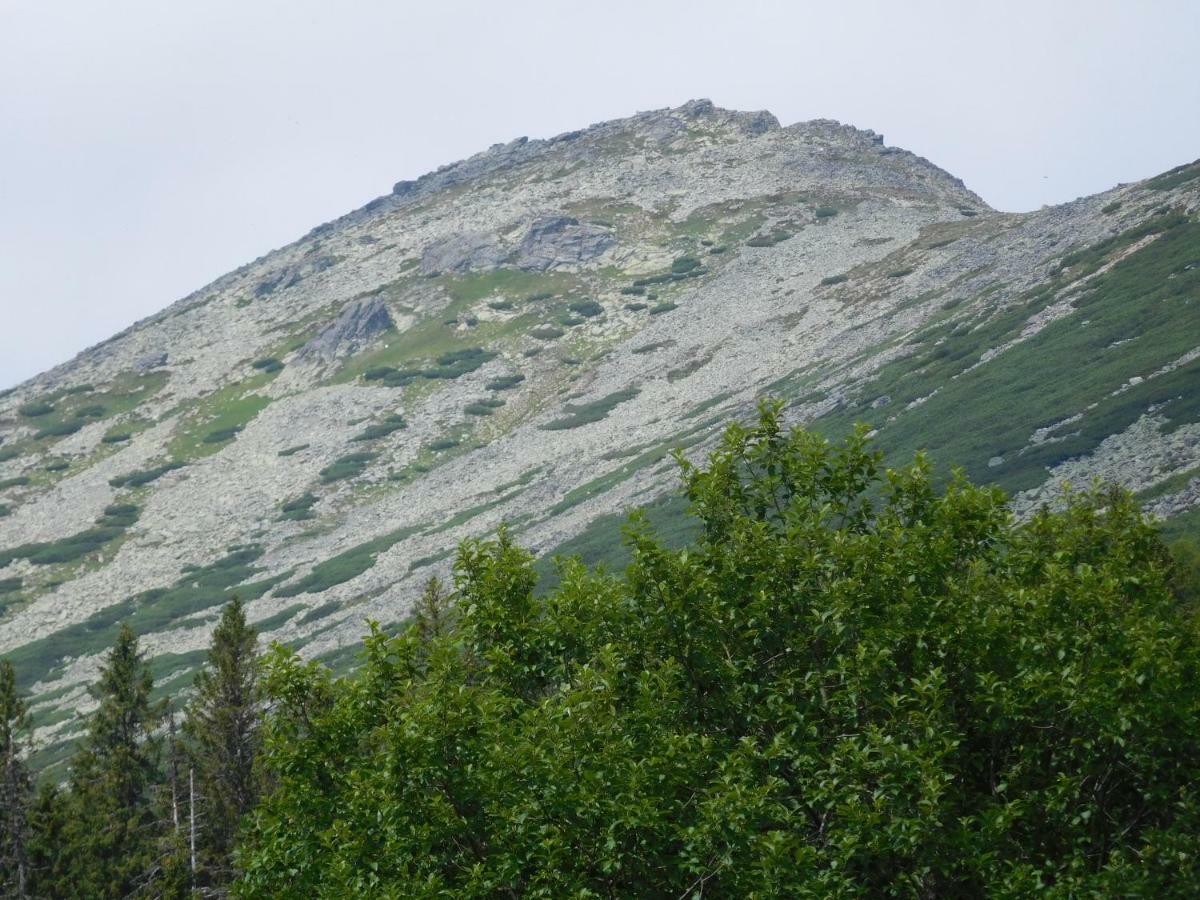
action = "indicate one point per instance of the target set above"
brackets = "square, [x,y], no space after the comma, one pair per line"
[222,725]
[15,788]
[112,831]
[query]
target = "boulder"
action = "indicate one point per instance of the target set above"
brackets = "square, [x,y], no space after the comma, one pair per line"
[554,241]
[355,326]
[463,252]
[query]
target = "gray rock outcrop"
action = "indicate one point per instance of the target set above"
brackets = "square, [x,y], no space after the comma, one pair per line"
[554,241]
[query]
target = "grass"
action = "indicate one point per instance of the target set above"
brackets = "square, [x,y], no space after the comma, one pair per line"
[71,409]
[992,409]
[110,526]
[199,588]
[1175,177]
[218,419]
[586,413]
[345,566]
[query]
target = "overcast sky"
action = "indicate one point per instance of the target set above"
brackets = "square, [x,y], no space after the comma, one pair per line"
[148,147]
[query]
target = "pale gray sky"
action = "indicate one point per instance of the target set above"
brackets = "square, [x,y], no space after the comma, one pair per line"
[149,146]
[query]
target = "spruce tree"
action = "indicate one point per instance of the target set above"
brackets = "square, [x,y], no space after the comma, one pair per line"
[113,832]
[14,788]
[223,727]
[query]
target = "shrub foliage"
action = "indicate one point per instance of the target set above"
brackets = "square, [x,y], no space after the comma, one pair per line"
[853,683]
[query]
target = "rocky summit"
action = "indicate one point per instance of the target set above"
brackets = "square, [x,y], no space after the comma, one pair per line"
[525,336]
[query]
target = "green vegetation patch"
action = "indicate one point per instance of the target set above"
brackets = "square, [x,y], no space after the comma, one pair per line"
[199,588]
[267,364]
[144,476]
[825,212]
[345,566]
[586,307]
[992,409]
[586,413]
[504,382]
[1175,177]
[14,481]
[300,508]
[390,424]
[546,332]
[349,466]
[110,526]
[666,306]
[483,407]
[292,451]
[35,409]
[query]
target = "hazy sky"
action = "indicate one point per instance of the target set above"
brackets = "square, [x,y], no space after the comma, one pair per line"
[148,147]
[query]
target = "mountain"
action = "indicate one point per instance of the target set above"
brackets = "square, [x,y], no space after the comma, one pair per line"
[525,335]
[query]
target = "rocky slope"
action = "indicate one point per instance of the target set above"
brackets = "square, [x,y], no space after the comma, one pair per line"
[523,336]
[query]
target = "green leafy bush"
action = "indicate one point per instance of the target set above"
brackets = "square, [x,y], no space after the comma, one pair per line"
[58,465]
[14,481]
[635,307]
[458,362]
[546,332]
[666,306]
[850,684]
[502,305]
[825,212]
[634,291]
[834,279]
[899,273]
[685,264]
[539,296]
[445,443]
[9,452]
[117,437]
[10,585]
[292,451]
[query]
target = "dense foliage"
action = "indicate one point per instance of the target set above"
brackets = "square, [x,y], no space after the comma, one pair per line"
[852,684]
[849,682]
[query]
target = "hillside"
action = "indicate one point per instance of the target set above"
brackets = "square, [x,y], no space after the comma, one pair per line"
[523,337]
